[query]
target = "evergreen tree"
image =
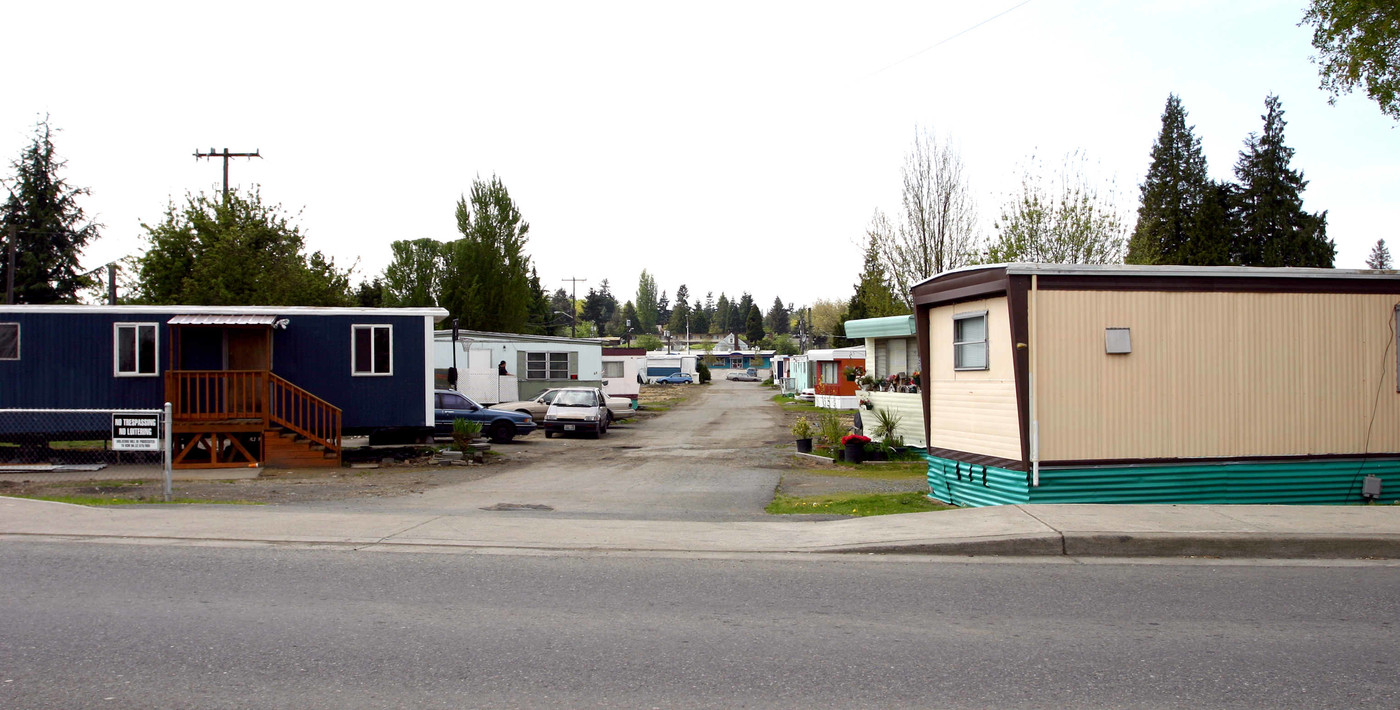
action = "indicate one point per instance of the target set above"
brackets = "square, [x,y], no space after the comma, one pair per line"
[646,304]
[540,316]
[739,313]
[560,308]
[753,326]
[629,320]
[1178,221]
[699,318]
[777,317]
[719,323]
[486,281]
[1380,256]
[680,315]
[663,310]
[49,227]
[873,297]
[1273,229]
[234,252]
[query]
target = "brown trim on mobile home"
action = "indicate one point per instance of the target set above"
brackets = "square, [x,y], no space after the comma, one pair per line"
[978,459]
[1017,297]
[1226,284]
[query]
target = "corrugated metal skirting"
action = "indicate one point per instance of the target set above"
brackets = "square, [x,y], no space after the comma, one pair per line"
[1299,482]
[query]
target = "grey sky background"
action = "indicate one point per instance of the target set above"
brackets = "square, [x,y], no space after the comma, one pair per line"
[727,146]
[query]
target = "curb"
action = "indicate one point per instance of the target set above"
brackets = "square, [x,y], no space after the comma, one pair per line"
[1223,545]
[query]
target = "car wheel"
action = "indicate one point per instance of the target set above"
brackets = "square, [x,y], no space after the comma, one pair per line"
[610,418]
[502,432]
[598,430]
[548,434]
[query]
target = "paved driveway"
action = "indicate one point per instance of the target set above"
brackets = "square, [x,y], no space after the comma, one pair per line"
[712,458]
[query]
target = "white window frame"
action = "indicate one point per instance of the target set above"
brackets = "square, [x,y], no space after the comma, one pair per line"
[546,369]
[354,356]
[117,329]
[17,343]
[618,367]
[985,342]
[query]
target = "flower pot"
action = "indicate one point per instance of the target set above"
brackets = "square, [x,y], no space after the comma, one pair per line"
[804,446]
[855,452]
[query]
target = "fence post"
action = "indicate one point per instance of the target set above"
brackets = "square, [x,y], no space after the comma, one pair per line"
[169,451]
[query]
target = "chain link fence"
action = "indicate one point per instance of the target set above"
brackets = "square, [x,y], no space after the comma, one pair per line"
[82,452]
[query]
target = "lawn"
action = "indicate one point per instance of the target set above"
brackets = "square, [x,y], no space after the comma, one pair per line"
[856,505]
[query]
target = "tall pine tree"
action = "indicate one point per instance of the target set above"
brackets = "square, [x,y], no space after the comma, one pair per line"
[49,227]
[1273,229]
[1380,256]
[1180,219]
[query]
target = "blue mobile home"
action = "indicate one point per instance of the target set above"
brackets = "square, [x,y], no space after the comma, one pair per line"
[248,384]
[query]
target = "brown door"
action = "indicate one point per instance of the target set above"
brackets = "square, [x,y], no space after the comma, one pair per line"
[247,349]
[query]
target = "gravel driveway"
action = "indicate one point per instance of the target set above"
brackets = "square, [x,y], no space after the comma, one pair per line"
[714,457]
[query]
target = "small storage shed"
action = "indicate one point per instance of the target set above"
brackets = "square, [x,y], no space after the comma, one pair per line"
[1158,384]
[275,385]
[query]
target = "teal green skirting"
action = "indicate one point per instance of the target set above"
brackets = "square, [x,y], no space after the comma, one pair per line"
[1318,481]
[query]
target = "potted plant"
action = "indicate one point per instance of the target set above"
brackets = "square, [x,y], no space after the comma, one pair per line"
[802,431]
[852,372]
[831,429]
[464,432]
[855,447]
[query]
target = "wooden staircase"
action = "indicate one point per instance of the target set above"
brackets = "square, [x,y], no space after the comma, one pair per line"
[287,449]
[236,418]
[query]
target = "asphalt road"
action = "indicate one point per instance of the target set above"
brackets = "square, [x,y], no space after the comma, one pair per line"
[713,458]
[90,625]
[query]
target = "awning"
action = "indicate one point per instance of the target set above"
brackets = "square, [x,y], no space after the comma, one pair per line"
[205,319]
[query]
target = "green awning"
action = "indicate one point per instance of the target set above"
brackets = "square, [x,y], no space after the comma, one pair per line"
[887,327]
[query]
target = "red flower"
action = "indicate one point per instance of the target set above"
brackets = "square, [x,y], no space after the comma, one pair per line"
[857,438]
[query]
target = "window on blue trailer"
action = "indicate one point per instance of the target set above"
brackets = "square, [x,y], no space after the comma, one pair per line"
[372,350]
[9,341]
[134,349]
[970,341]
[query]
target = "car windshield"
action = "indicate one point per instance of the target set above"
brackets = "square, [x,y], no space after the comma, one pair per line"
[575,399]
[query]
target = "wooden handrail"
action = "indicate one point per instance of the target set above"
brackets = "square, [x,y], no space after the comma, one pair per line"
[306,414]
[212,395]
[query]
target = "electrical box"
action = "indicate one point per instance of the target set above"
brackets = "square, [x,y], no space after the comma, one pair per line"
[1371,487]
[1118,341]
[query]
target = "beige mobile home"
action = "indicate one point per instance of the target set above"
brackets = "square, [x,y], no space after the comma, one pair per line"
[1074,383]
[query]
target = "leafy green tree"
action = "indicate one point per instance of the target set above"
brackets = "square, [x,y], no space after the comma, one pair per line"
[753,325]
[629,320]
[1273,229]
[561,308]
[1071,220]
[1359,41]
[50,228]
[1179,217]
[648,341]
[784,344]
[370,294]
[414,273]
[234,252]
[647,313]
[1379,257]
[486,280]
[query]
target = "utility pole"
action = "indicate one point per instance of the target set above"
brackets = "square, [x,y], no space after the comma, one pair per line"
[573,305]
[225,155]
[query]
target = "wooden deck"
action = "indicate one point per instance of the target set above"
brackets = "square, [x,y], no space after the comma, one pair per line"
[237,418]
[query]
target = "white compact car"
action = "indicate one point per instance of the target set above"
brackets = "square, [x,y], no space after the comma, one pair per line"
[577,410]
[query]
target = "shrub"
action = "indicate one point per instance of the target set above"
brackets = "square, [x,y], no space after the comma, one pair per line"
[802,429]
[830,427]
[886,424]
[703,372]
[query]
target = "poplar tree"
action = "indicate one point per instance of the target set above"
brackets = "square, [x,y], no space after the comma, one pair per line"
[646,303]
[1180,218]
[1273,229]
[486,280]
[49,228]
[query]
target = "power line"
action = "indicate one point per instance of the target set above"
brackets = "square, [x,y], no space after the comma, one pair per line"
[948,39]
[573,306]
[225,155]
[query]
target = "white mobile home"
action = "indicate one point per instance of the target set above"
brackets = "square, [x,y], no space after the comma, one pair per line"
[503,367]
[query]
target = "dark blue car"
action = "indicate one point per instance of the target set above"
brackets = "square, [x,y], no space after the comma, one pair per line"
[500,425]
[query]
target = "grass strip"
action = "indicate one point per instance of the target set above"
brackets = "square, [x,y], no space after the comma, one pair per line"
[103,500]
[855,505]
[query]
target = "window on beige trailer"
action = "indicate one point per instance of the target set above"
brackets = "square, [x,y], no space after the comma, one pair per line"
[970,341]
[612,369]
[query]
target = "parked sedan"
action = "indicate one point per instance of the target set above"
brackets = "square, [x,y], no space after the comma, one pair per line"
[742,376]
[500,425]
[679,378]
[618,407]
[577,410]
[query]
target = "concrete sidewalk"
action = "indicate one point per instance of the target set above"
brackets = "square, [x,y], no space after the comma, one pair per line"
[1030,530]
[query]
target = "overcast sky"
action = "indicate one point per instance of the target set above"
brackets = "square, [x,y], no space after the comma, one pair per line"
[728,146]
